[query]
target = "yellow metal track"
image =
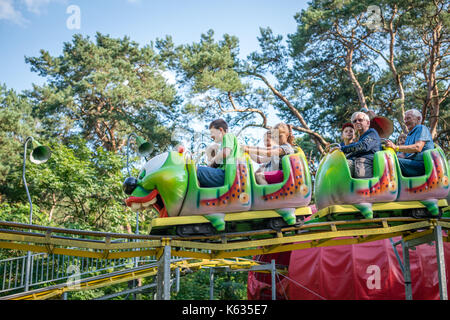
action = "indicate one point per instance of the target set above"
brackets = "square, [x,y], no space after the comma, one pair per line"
[213,252]
[120,277]
[223,246]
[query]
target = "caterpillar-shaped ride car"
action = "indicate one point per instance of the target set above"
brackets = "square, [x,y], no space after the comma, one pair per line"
[168,183]
[388,191]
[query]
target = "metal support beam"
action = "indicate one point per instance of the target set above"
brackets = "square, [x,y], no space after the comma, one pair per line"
[132,290]
[274,273]
[177,280]
[163,275]
[443,293]
[394,246]
[436,237]
[211,283]
[406,271]
[28,271]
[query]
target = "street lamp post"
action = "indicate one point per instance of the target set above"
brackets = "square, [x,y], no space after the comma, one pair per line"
[144,148]
[39,154]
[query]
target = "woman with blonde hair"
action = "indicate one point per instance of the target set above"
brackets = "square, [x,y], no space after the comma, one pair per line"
[282,144]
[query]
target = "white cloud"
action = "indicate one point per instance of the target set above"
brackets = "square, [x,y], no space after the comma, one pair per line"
[12,10]
[9,13]
[35,6]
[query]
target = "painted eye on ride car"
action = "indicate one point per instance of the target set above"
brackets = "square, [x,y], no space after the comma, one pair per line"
[153,165]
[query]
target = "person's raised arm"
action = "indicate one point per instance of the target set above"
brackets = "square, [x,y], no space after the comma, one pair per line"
[265,152]
[258,158]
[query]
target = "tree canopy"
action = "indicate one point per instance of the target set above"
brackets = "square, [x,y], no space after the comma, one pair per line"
[104,90]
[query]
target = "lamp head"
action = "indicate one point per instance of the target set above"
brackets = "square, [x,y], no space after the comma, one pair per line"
[40,154]
[144,147]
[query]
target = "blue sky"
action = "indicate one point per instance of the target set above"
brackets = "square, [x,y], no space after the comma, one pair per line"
[26,26]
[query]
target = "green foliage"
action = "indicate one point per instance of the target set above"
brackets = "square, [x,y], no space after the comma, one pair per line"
[104,90]
[16,124]
[391,61]
[206,64]
[208,71]
[76,188]
[227,286]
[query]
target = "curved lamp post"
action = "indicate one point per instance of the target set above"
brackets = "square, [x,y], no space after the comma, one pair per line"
[39,154]
[144,148]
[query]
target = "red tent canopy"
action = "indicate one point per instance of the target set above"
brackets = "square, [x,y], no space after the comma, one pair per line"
[357,272]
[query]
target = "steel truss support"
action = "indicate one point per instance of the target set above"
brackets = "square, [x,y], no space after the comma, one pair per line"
[436,237]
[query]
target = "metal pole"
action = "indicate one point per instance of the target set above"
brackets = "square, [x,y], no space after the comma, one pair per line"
[211,283]
[163,275]
[394,247]
[274,287]
[159,279]
[177,280]
[167,250]
[28,267]
[407,271]
[441,263]
[128,151]
[136,259]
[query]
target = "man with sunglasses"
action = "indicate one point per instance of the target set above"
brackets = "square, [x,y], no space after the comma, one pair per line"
[360,153]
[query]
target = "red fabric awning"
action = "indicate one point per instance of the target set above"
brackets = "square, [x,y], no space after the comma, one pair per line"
[354,272]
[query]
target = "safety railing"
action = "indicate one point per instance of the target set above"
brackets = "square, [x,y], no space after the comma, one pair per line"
[53,268]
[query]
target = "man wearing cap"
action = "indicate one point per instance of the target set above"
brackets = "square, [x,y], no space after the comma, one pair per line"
[360,153]
[417,141]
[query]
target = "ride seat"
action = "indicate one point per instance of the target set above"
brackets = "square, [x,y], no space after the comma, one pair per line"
[335,185]
[278,176]
[433,184]
[272,177]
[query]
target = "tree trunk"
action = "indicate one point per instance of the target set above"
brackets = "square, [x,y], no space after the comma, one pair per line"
[395,74]
[50,214]
[433,87]
[354,80]
[318,139]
